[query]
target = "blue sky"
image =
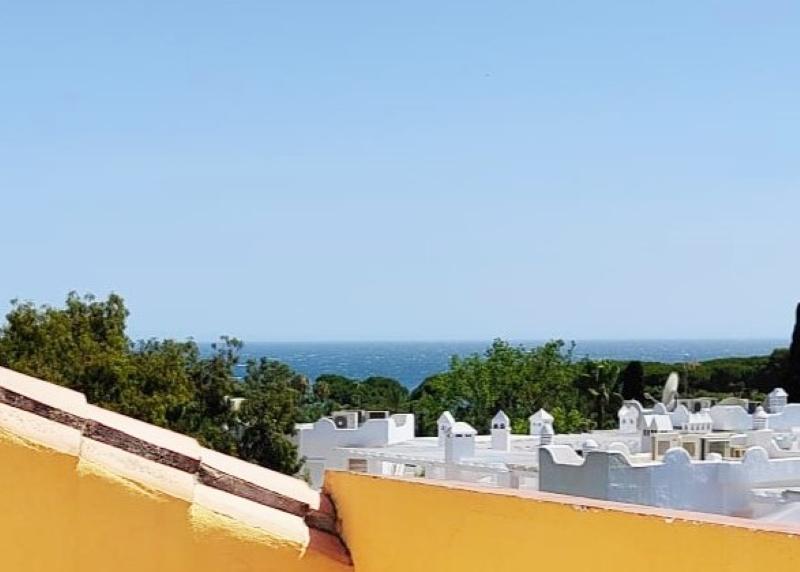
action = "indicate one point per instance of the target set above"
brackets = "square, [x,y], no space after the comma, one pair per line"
[409,170]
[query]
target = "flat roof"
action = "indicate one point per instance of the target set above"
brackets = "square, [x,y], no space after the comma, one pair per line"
[523,454]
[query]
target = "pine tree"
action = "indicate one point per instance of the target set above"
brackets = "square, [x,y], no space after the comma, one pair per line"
[632,379]
[794,356]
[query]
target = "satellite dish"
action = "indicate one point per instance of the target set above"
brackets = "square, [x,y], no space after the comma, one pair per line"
[670,395]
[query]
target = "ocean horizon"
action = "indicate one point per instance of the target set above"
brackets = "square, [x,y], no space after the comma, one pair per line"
[411,362]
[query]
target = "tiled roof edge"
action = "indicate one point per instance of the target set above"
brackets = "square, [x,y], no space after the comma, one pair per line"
[19,401]
[121,440]
[322,519]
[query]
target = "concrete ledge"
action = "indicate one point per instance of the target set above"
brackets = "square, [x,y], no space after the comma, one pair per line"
[41,430]
[245,489]
[281,525]
[278,483]
[148,441]
[41,393]
[151,474]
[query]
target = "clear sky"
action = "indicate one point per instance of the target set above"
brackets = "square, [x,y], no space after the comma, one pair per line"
[406,170]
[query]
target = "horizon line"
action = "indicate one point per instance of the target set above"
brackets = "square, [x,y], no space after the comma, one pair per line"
[491,339]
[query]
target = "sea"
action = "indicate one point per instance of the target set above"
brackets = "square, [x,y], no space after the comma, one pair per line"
[412,362]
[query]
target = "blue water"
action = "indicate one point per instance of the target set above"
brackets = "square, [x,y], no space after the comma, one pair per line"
[411,362]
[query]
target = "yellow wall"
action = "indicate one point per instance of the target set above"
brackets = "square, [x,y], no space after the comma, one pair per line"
[399,525]
[60,514]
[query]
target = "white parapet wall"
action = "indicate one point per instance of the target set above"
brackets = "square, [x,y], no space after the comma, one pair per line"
[735,418]
[320,443]
[788,418]
[316,440]
[730,418]
[716,486]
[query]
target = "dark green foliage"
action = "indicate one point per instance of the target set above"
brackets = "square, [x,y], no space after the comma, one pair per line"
[425,400]
[332,392]
[338,390]
[208,416]
[599,383]
[774,372]
[794,356]
[273,394]
[512,378]
[383,393]
[749,377]
[159,387]
[84,346]
[632,381]
[579,395]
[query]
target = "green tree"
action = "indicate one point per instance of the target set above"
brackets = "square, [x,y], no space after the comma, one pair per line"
[427,401]
[158,388]
[273,393]
[568,421]
[82,346]
[794,356]
[632,381]
[512,378]
[209,416]
[600,380]
[383,394]
[341,391]
[771,372]
[331,392]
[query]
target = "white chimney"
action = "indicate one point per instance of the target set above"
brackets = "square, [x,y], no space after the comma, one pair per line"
[501,432]
[459,442]
[445,421]
[546,436]
[776,400]
[539,420]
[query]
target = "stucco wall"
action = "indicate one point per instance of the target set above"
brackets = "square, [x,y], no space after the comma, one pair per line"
[400,525]
[62,513]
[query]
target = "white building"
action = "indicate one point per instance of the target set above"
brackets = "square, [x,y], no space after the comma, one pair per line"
[388,446]
[680,417]
[657,423]
[730,487]
[699,422]
[350,440]
[735,418]
[318,441]
[683,455]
